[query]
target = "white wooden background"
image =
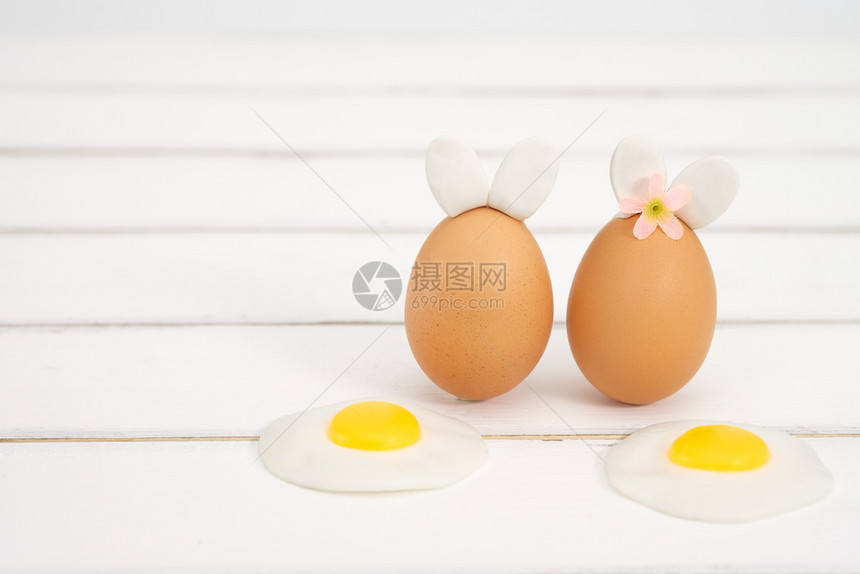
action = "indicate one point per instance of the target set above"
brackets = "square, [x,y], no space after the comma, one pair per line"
[172,278]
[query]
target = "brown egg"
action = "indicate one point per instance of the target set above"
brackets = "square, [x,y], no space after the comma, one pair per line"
[641,313]
[479,304]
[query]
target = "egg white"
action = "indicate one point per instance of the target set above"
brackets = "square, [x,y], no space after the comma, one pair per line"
[639,468]
[296,448]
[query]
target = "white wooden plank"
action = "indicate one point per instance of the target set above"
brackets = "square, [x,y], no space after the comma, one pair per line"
[509,62]
[232,381]
[535,507]
[121,122]
[90,193]
[307,277]
[519,18]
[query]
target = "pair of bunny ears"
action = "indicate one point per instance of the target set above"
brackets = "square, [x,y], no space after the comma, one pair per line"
[522,183]
[712,181]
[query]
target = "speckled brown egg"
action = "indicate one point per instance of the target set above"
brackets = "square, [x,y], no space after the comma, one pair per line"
[479,304]
[641,313]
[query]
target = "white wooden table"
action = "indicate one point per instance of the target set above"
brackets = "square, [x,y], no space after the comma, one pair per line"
[173,278]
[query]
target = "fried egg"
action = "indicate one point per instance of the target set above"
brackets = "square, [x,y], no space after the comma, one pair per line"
[371,446]
[717,472]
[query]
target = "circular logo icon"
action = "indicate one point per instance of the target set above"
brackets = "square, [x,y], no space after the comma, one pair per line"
[376,285]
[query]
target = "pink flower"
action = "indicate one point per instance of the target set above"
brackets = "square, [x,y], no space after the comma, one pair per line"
[658,210]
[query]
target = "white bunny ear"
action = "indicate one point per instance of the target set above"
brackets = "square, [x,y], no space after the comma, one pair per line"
[525,178]
[635,159]
[713,183]
[455,175]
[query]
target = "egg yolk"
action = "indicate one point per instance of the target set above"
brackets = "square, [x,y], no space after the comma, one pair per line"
[374,425]
[719,447]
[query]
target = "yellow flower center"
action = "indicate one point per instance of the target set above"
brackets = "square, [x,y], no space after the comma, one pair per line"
[655,209]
